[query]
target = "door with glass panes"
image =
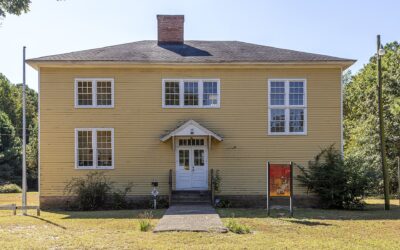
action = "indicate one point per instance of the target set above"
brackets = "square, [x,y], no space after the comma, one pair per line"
[191,165]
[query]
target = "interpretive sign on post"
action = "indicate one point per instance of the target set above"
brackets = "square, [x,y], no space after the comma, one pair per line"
[280,183]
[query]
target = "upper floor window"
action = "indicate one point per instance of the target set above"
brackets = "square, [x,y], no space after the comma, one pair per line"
[94,93]
[190,94]
[287,109]
[94,148]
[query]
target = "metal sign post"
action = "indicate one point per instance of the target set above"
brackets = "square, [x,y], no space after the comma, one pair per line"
[291,189]
[268,188]
[24,186]
[155,193]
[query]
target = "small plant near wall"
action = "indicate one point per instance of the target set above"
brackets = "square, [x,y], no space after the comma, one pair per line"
[223,203]
[217,182]
[145,221]
[119,198]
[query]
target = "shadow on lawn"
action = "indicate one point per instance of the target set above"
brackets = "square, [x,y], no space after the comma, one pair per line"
[107,214]
[48,221]
[308,223]
[372,212]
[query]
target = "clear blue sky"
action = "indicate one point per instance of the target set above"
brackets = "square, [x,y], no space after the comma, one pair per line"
[339,28]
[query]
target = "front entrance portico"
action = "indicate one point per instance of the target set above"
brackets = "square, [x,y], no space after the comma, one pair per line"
[191,143]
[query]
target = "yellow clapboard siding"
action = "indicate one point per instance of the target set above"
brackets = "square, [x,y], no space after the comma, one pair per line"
[139,120]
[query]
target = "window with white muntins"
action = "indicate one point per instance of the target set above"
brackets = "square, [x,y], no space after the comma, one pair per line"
[94,148]
[94,93]
[190,93]
[287,107]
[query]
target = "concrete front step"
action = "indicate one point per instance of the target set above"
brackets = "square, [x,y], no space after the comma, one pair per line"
[191,197]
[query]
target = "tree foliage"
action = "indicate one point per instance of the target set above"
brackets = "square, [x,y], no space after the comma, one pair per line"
[15,7]
[10,151]
[338,183]
[11,132]
[361,115]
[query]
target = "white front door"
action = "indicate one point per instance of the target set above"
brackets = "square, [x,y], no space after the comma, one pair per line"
[191,168]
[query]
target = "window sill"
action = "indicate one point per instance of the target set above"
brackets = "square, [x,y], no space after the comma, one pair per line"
[94,168]
[288,134]
[94,107]
[190,107]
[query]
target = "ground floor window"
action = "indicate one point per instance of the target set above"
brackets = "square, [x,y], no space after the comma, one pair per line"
[94,148]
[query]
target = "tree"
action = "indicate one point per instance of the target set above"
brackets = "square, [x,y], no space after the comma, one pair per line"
[11,106]
[338,182]
[32,155]
[10,151]
[361,115]
[15,7]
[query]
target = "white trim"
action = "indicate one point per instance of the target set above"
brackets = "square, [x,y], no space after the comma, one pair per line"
[94,92]
[191,164]
[94,148]
[341,113]
[39,133]
[286,107]
[181,92]
[205,131]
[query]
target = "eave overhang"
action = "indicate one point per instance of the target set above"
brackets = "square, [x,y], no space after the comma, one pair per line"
[191,128]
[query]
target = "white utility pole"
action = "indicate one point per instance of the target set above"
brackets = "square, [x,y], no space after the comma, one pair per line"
[24,186]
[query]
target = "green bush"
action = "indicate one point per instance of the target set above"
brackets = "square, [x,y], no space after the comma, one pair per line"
[145,221]
[223,204]
[236,227]
[338,183]
[90,192]
[118,198]
[161,203]
[10,188]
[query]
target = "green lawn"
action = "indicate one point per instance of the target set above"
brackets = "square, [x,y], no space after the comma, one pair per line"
[310,229]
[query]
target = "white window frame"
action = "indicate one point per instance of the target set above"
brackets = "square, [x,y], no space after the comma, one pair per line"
[94,92]
[181,93]
[94,144]
[287,107]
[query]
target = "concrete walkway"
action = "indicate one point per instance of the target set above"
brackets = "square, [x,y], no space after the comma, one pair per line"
[190,218]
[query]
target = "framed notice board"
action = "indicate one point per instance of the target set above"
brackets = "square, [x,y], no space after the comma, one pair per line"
[280,182]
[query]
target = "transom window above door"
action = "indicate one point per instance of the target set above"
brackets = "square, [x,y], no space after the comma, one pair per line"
[94,93]
[191,142]
[287,107]
[190,93]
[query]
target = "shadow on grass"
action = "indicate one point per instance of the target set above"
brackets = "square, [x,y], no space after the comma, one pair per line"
[372,212]
[48,221]
[308,223]
[107,214]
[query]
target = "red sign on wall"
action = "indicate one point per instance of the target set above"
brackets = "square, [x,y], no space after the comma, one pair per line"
[280,180]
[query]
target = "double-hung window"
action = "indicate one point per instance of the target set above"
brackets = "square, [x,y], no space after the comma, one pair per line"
[287,107]
[190,93]
[94,148]
[94,93]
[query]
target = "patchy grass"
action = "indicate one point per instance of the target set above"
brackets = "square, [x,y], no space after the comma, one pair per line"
[145,221]
[309,229]
[236,227]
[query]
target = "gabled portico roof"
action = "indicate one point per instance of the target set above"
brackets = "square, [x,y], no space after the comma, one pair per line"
[191,128]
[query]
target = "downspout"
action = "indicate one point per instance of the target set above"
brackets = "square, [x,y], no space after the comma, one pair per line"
[341,114]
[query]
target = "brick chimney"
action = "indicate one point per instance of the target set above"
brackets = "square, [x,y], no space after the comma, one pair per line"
[170,29]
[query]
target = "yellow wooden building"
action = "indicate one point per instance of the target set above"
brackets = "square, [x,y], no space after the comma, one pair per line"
[138,110]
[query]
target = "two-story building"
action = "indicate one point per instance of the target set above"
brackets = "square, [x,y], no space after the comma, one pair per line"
[138,110]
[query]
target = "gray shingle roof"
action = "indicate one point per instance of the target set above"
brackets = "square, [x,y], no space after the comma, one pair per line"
[191,52]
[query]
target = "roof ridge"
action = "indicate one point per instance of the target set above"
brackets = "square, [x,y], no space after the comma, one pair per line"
[195,51]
